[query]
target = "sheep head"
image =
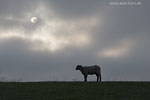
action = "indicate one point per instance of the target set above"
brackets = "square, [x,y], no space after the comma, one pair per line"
[79,67]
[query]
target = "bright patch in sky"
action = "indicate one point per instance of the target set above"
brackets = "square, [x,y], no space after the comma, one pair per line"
[118,51]
[34,19]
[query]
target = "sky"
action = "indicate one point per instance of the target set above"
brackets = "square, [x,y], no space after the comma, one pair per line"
[114,34]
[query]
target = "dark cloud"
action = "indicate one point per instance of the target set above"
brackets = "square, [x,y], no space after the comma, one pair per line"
[71,9]
[16,8]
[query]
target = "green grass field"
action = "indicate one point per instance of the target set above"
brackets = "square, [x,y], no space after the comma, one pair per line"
[75,91]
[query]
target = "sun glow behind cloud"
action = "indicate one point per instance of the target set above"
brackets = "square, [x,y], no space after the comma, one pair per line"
[54,33]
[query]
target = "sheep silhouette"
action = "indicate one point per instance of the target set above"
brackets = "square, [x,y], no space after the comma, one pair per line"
[90,70]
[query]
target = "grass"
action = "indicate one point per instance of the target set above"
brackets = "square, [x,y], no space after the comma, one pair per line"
[75,91]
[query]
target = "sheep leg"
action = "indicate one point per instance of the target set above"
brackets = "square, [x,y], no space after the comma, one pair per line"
[85,78]
[98,77]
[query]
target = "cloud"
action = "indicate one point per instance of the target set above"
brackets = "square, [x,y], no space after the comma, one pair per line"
[67,9]
[119,51]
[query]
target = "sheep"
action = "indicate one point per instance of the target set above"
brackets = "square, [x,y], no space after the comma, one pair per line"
[90,70]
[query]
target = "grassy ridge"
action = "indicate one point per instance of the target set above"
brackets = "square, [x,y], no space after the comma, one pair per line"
[75,91]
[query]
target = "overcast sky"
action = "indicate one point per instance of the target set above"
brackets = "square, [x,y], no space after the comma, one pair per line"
[71,32]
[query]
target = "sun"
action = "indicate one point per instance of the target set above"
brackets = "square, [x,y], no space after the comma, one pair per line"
[34,19]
